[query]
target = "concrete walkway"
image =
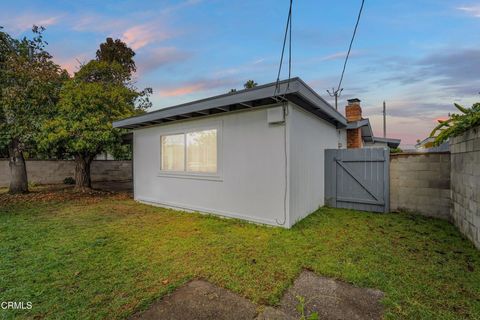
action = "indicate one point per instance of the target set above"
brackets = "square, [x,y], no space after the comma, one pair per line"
[329,298]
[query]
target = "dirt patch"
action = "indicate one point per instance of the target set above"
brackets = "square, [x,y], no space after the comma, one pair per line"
[61,192]
[330,299]
[200,300]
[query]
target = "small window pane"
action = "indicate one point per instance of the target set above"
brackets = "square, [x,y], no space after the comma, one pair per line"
[173,152]
[202,151]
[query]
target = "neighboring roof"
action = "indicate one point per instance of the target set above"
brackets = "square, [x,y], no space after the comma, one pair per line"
[294,90]
[422,143]
[367,133]
[426,145]
[391,142]
[364,124]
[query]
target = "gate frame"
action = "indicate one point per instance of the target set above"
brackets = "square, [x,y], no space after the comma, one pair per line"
[335,157]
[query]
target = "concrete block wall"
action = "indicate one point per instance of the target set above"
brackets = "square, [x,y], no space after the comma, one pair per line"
[55,171]
[465,176]
[420,182]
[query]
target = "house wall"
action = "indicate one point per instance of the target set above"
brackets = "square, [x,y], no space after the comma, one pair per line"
[250,185]
[309,136]
[420,182]
[465,183]
[55,171]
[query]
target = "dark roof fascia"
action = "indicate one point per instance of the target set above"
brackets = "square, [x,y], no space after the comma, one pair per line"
[294,90]
[358,124]
[391,142]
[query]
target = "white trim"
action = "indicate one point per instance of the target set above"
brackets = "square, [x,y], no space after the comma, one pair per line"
[189,175]
[188,208]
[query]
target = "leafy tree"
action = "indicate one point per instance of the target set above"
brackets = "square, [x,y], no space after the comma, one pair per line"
[457,123]
[247,85]
[117,51]
[250,84]
[98,94]
[29,87]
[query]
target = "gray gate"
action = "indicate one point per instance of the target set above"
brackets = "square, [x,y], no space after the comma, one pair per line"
[357,179]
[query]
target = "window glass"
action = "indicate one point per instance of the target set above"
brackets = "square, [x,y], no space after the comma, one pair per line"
[173,152]
[202,151]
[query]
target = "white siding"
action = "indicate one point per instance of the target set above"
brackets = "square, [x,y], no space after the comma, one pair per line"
[251,183]
[309,136]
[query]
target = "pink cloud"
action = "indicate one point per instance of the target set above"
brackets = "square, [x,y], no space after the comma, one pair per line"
[72,64]
[182,90]
[142,35]
[197,86]
[24,22]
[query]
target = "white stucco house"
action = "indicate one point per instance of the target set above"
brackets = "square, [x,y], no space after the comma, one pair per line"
[255,154]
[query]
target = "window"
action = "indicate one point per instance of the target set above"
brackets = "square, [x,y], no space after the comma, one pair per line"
[202,151]
[192,152]
[173,152]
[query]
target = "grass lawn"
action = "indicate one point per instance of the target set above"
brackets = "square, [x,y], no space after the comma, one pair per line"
[107,257]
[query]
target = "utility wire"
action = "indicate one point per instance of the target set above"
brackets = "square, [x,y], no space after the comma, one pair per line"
[288,32]
[350,47]
[290,46]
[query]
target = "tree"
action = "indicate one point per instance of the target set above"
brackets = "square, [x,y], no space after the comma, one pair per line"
[456,124]
[98,94]
[117,51]
[29,86]
[250,84]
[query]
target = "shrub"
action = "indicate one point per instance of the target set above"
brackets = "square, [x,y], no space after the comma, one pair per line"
[457,123]
[396,150]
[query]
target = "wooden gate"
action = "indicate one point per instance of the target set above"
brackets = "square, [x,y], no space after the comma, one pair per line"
[357,179]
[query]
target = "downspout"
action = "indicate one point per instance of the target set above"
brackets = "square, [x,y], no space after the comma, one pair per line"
[285,144]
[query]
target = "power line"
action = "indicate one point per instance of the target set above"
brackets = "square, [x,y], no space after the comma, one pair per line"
[336,93]
[288,32]
[351,43]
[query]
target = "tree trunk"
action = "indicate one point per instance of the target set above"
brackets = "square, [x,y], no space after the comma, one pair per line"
[83,181]
[18,169]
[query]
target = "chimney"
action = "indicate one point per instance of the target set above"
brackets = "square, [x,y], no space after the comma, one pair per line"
[353,112]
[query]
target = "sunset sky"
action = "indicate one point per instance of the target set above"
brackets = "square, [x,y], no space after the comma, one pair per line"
[418,55]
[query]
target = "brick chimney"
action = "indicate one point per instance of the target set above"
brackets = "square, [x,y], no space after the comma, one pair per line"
[353,112]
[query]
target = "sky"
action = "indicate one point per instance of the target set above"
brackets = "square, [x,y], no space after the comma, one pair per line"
[420,56]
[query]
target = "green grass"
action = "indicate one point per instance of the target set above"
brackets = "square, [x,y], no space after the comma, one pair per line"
[109,258]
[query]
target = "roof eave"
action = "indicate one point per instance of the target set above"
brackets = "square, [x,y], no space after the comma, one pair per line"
[294,90]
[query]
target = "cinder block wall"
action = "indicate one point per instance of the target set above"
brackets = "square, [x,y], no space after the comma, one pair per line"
[465,175]
[54,171]
[420,182]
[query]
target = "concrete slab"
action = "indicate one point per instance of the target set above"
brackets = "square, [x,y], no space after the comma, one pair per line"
[200,300]
[274,314]
[331,299]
